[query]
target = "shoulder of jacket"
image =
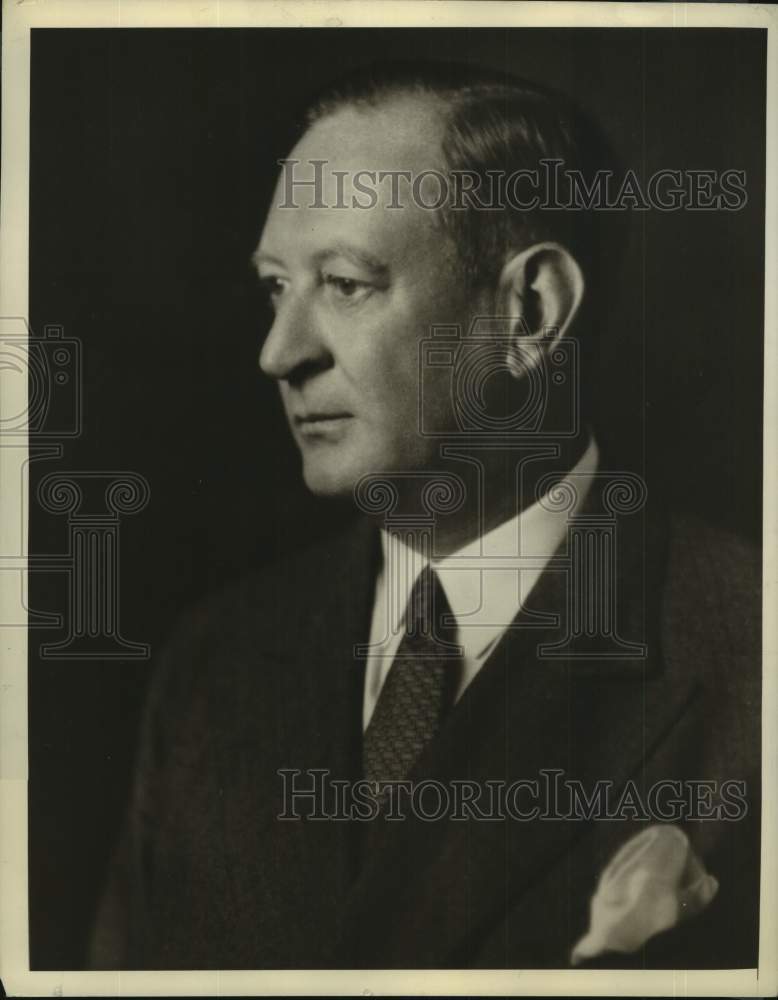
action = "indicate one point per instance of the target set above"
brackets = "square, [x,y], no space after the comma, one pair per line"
[712,608]
[713,567]
[259,610]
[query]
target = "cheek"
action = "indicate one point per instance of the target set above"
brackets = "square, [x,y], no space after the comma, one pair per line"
[385,370]
[386,364]
[438,399]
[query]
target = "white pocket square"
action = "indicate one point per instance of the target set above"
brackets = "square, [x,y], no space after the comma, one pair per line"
[652,883]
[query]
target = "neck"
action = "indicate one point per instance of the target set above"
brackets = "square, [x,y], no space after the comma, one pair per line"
[497,485]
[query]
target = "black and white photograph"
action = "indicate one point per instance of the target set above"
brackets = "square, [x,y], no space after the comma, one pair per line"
[388,518]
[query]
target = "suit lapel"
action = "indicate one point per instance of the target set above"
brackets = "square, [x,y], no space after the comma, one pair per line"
[326,682]
[434,889]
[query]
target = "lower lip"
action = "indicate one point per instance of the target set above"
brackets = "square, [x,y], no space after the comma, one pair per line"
[323,428]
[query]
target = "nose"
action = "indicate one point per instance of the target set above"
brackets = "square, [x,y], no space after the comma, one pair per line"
[293,347]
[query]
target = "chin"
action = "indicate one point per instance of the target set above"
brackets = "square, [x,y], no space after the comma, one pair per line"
[329,478]
[336,470]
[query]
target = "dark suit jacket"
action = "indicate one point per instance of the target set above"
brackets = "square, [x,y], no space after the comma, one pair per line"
[264,677]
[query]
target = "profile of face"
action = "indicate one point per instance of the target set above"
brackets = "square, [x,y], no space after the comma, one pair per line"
[354,291]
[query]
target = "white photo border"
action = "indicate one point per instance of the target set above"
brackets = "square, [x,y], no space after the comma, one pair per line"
[19,17]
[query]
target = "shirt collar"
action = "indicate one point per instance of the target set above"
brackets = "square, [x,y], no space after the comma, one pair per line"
[488,580]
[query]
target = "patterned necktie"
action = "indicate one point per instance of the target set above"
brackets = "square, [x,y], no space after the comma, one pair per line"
[419,688]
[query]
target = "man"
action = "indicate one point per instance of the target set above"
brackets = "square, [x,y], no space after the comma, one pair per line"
[515,727]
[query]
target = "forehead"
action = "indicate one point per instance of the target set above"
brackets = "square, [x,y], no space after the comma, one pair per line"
[401,137]
[400,133]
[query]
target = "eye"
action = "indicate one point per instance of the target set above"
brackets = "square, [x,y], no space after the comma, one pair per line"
[346,288]
[272,287]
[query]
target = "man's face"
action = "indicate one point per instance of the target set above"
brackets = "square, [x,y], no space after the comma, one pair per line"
[354,292]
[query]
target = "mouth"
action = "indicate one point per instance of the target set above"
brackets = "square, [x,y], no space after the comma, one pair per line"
[321,424]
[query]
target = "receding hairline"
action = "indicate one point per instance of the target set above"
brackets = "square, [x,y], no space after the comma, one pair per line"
[487,122]
[372,84]
[433,116]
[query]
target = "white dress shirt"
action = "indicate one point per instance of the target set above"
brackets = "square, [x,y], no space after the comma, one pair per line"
[486,582]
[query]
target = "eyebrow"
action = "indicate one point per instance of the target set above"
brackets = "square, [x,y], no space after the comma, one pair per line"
[260,257]
[358,256]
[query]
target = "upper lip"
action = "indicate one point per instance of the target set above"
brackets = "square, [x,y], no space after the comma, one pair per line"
[304,418]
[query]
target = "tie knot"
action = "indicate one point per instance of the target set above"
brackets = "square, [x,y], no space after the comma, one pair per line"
[428,616]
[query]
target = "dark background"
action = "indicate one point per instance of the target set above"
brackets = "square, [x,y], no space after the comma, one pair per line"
[152,159]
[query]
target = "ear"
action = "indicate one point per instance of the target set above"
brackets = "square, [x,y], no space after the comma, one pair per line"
[540,291]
